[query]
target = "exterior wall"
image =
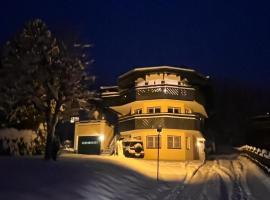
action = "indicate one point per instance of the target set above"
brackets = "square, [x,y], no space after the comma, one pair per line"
[93,128]
[167,154]
[163,103]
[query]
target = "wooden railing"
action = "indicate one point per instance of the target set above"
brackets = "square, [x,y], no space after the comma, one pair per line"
[260,157]
[153,92]
[166,120]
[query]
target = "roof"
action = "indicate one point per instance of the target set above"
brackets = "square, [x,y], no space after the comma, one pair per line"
[192,75]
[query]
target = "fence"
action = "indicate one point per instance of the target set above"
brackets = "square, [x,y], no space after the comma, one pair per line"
[261,157]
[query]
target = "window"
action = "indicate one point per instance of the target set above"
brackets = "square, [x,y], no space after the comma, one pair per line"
[153,110]
[152,142]
[173,142]
[188,143]
[150,110]
[157,110]
[174,110]
[188,111]
[138,111]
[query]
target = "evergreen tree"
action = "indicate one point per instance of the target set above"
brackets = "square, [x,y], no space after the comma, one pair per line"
[41,78]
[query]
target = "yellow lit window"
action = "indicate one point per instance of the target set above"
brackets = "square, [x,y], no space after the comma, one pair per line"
[188,143]
[188,111]
[173,142]
[152,142]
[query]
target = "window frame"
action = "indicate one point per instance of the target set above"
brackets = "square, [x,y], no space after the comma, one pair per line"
[154,109]
[173,109]
[173,142]
[155,140]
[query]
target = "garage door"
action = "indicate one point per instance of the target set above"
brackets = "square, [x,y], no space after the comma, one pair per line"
[89,145]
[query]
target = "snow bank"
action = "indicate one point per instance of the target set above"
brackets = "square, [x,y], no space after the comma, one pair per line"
[12,133]
[88,177]
[108,177]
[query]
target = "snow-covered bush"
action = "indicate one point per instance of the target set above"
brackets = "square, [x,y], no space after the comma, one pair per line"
[267,155]
[258,151]
[21,142]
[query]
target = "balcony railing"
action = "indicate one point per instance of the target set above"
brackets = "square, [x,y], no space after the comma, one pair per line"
[153,92]
[166,120]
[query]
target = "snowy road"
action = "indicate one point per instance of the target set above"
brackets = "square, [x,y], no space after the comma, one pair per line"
[227,177]
[105,178]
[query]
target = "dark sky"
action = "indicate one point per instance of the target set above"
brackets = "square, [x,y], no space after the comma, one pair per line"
[229,39]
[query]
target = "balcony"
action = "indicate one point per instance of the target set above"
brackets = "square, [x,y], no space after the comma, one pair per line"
[166,120]
[152,92]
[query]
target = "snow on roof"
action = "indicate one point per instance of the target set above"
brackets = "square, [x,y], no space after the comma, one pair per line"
[108,87]
[141,69]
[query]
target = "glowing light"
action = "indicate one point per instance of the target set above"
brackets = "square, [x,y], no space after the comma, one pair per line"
[165,90]
[101,137]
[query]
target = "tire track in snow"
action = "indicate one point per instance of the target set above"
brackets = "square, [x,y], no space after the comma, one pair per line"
[195,185]
[177,191]
[218,179]
[238,189]
[237,184]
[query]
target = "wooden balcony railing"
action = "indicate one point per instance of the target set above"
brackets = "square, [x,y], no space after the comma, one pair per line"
[166,120]
[153,92]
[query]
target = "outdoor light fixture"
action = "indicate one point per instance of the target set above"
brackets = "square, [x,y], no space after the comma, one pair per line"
[165,90]
[101,138]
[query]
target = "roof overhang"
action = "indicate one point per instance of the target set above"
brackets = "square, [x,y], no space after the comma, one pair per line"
[192,75]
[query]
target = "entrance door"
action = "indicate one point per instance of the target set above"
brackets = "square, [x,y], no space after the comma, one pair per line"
[89,145]
[200,148]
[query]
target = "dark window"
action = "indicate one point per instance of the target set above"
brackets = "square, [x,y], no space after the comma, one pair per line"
[157,110]
[176,110]
[173,110]
[153,110]
[150,110]
[170,110]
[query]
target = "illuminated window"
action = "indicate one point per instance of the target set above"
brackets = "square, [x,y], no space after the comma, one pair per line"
[152,142]
[188,143]
[188,111]
[173,110]
[173,142]
[138,111]
[153,110]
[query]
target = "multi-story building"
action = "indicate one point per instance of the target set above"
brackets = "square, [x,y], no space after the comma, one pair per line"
[166,97]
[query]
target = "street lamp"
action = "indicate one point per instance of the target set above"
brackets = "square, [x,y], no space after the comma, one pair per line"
[159,129]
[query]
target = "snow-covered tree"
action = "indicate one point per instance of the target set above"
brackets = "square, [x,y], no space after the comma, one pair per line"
[41,77]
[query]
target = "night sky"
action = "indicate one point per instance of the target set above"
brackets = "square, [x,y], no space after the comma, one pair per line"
[226,40]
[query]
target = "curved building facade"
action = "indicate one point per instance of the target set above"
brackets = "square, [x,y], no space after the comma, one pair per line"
[166,97]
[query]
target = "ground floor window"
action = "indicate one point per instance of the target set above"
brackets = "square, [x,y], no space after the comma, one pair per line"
[188,143]
[152,142]
[173,142]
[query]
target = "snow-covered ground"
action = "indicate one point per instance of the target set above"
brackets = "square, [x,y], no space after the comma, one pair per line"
[108,177]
